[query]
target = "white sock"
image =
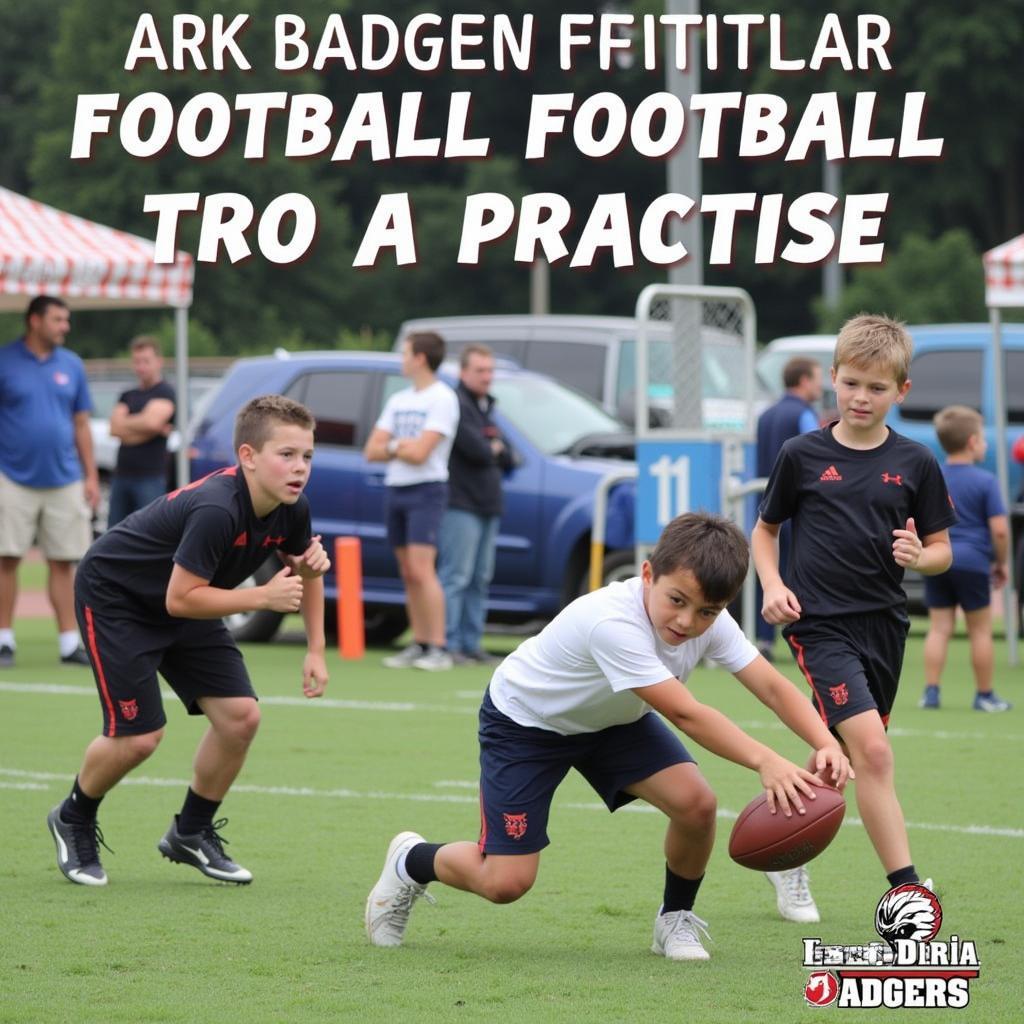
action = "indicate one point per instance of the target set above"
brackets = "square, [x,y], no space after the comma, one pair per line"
[7,638]
[69,642]
[400,869]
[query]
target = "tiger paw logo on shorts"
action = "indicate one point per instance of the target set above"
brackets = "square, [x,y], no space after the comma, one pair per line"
[909,968]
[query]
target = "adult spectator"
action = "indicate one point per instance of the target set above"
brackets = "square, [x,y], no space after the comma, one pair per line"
[142,419]
[48,480]
[414,437]
[791,415]
[469,529]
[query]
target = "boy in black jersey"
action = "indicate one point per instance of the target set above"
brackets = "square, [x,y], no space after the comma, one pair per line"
[150,596]
[865,504]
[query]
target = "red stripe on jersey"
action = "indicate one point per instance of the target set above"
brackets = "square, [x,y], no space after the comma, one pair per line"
[807,675]
[90,629]
[482,842]
[228,471]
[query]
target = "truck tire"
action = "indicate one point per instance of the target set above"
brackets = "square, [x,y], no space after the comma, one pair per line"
[617,565]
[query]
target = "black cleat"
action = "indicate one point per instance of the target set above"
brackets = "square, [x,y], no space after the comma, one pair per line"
[76,657]
[204,851]
[78,849]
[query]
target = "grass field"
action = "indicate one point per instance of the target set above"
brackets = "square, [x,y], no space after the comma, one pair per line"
[329,783]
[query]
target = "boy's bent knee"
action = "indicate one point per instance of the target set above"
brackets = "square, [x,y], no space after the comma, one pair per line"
[875,757]
[506,890]
[137,748]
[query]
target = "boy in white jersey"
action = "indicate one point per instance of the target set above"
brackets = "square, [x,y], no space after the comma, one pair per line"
[580,695]
[414,436]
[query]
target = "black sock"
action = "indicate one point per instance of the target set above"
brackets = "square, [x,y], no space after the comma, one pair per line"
[903,876]
[79,806]
[196,813]
[680,892]
[419,862]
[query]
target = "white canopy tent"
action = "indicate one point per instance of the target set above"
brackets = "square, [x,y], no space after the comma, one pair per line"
[46,251]
[1004,288]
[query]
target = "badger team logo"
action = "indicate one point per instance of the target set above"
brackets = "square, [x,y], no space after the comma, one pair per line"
[515,825]
[908,967]
[821,989]
[908,912]
[129,709]
[839,694]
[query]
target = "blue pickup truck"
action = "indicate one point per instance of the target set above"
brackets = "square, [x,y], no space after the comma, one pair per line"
[565,441]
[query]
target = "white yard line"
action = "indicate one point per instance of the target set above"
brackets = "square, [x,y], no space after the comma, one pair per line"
[23,778]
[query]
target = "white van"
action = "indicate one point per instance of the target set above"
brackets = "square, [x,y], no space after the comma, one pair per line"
[597,355]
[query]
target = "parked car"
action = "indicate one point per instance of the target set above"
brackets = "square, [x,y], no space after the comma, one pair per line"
[543,548]
[597,355]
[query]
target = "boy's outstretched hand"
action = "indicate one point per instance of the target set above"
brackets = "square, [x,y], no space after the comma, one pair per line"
[314,675]
[312,563]
[832,766]
[786,784]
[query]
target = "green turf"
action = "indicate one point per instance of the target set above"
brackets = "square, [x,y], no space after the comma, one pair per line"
[325,788]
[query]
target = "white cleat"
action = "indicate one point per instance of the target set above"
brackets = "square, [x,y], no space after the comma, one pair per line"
[793,895]
[677,936]
[391,899]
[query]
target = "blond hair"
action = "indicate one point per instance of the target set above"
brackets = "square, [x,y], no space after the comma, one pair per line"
[257,418]
[869,340]
[956,425]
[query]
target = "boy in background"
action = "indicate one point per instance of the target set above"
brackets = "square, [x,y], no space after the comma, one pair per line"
[981,544]
[414,436]
[150,595]
[865,504]
[581,694]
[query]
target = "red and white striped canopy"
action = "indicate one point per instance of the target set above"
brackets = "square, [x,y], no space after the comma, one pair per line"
[1004,274]
[47,251]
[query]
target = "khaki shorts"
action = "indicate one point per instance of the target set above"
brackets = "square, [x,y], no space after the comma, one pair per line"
[58,519]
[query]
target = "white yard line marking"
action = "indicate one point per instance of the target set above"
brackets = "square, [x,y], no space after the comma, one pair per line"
[65,690]
[453,798]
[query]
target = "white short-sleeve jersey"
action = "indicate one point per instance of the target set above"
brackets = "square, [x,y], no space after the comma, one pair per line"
[409,413]
[578,674]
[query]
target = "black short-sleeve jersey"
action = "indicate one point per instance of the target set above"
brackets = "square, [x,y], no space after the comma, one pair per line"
[208,528]
[844,504]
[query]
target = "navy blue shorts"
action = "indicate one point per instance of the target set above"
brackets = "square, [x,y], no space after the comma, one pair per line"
[197,657]
[852,662]
[414,513]
[521,767]
[969,590]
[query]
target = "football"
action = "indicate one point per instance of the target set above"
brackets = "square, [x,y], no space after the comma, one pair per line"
[764,841]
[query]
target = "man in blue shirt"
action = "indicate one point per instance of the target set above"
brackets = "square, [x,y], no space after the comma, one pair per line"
[48,478]
[791,415]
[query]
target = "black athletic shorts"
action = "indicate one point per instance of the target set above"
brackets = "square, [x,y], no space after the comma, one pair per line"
[521,767]
[852,662]
[197,657]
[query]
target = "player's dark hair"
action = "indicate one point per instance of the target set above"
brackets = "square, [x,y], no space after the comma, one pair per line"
[41,303]
[711,547]
[796,369]
[429,344]
[257,418]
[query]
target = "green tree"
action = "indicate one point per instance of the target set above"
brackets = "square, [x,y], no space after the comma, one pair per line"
[924,281]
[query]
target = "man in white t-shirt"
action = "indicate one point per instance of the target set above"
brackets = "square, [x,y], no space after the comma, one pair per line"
[414,437]
[581,694]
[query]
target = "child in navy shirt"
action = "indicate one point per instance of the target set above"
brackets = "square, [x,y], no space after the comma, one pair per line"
[981,541]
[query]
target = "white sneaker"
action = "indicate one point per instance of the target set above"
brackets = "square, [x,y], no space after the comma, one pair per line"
[435,660]
[404,658]
[793,895]
[391,899]
[677,936]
